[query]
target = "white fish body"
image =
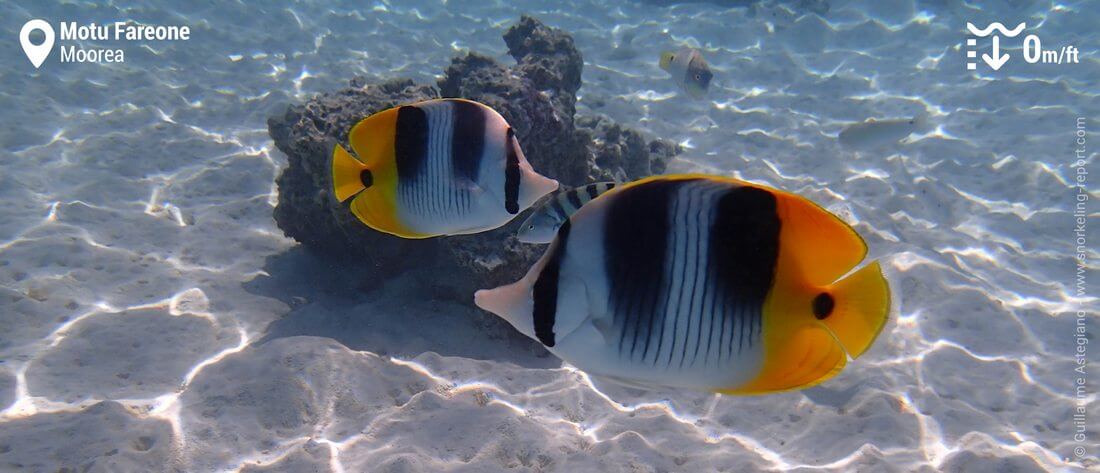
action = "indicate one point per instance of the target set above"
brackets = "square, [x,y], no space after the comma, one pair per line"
[872,133]
[437,167]
[700,282]
[584,328]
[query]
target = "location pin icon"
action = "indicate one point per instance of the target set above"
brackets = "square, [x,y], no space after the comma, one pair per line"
[37,53]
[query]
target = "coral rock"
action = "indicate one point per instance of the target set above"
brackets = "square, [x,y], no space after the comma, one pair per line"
[537,96]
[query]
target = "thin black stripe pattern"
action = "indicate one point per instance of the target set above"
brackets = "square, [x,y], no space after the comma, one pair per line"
[636,232]
[511,174]
[467,147]
[697,220]
[411,154]
[689,264]
[544,294]
[432,182]
[744,245]
[686,320]
[444,154]
[469,138]
[682,266]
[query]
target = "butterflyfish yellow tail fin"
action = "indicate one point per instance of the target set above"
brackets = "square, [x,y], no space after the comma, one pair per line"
[372,141]
[860,307]
[349,175]
[372,179]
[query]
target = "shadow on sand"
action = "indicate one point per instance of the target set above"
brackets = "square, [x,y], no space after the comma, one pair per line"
[402,316]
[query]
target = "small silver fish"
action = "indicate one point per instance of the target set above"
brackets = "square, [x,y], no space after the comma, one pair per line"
[872,132]
[543,224]
[689,70]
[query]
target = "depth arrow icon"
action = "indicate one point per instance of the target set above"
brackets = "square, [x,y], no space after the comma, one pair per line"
[998,59]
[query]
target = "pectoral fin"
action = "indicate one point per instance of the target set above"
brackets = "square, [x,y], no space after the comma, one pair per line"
[572,306]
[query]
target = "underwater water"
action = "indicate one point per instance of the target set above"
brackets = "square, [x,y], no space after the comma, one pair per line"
[154,318]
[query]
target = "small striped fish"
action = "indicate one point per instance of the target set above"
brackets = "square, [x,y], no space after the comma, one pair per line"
[701,282]
[544,222]
[438,167]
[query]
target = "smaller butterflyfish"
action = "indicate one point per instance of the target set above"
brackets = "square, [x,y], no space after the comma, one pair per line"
[873,132]
[701,282]
[545,219]
[438,167]
[689,70]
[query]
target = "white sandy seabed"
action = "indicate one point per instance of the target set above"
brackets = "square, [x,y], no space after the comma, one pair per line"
[153,318]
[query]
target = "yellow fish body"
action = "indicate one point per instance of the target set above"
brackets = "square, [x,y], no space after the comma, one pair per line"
[701,282]
[438,167]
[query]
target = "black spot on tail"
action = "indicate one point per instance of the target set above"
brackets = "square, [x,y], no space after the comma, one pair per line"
[823,305]
[636,234]
[366,178]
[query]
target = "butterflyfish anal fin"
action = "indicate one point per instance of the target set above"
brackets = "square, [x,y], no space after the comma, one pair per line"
[572,308]
[810,356]
[378,210]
